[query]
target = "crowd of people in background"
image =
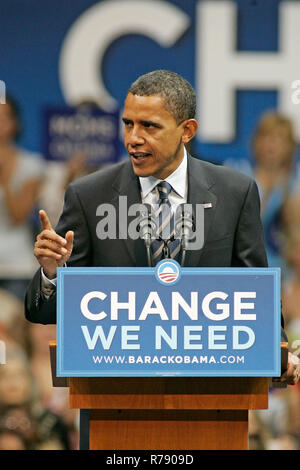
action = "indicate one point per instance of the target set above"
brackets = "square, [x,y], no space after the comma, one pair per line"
[276,169]
[34,414]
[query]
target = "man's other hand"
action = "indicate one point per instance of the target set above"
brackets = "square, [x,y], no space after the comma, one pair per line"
[292,374]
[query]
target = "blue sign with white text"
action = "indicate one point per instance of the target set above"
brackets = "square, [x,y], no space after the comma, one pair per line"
[168,321]
[92,132]
[178,321]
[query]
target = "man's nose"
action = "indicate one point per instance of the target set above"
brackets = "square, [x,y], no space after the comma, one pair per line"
[135,137]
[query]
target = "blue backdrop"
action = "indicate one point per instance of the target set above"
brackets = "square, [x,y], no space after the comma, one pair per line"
[32,33]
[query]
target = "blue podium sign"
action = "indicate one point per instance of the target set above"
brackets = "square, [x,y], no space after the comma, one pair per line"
[168,321]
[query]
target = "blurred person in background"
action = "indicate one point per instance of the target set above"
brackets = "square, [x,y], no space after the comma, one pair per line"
[21,410]
[284,442]
[43,420]
[291,302]
[59,174]
[57,177]
[21,173]
[258,432]
[18,395]
[277,175]
[12,325]
[291,287]
[279,425]
[55,399]
[292,210]
[277,421]
[39,360]
[11,440]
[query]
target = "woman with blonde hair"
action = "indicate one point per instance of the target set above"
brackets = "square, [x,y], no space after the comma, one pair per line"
[277,175]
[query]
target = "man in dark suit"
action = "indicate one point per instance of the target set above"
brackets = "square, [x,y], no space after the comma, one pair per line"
[159,121]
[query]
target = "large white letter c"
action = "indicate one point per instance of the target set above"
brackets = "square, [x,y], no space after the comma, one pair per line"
[84,305]
[91,34]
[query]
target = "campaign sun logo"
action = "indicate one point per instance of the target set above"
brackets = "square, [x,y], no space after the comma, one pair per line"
[168,272]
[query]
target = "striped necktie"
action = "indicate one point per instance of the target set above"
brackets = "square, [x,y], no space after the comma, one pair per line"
[165,226]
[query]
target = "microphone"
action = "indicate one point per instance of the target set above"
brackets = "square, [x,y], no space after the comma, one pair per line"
[184,226]
[146,224]
[147,228]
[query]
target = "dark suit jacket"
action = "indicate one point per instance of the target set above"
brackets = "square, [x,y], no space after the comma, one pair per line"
[233,234]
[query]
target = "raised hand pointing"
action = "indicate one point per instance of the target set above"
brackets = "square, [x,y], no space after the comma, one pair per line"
[50,249]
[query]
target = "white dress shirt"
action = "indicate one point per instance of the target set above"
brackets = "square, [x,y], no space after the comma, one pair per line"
[178,180]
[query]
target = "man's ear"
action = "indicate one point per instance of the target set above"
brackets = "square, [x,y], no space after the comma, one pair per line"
[190,127]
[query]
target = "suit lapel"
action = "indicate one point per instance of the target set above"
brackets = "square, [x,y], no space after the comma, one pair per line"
[200,192]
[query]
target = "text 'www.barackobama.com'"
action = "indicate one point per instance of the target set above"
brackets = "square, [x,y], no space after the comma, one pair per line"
[171,359]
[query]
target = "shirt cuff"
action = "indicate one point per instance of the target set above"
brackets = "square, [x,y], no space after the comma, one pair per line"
[48,282]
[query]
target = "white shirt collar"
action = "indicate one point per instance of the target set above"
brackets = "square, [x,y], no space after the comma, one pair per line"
[177,179]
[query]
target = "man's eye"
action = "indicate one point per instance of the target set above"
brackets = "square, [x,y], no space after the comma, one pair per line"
[149,125]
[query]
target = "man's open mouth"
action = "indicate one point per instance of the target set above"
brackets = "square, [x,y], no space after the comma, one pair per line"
[138,156]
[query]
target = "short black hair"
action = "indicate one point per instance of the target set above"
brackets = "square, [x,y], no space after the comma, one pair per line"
[177,92]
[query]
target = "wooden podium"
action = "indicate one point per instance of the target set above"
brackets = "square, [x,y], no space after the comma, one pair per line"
[166,413]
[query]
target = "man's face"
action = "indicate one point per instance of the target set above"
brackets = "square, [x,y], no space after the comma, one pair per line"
[152,137]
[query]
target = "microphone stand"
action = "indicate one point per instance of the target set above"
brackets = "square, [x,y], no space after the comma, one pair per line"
[149,256]
[183,251]
[166,249]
